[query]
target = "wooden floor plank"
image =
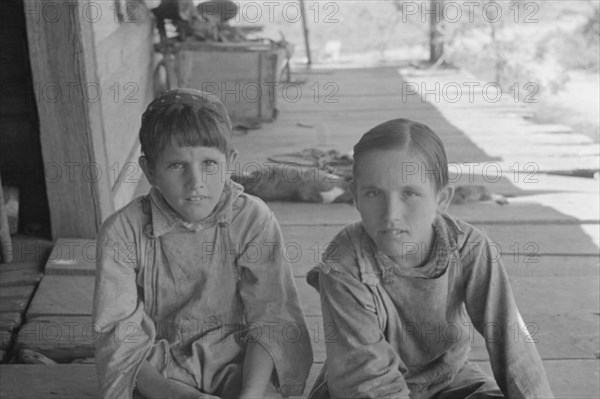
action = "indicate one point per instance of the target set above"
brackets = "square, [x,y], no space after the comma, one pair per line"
[72,256]
[61,338]
[569,379]
[12,278]
[28,249]
[15,266]
[5,339]
[63,296]
[13,304]
[22,291]
[68,381]
[528,241]
[10,321]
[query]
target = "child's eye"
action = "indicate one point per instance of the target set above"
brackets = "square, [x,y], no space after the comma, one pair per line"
[373,194]
[176,165]
[411,194]
[210,162]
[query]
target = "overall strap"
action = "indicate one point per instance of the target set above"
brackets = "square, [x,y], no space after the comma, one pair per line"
[230,247]
[147,253]
[368,273]
[371,277]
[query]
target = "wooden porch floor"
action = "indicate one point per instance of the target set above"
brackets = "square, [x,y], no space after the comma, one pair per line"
[549,233]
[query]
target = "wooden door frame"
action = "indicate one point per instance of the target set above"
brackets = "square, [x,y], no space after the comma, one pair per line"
[63,65]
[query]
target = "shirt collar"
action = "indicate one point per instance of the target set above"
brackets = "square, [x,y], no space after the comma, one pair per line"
[444,247]
[165,219]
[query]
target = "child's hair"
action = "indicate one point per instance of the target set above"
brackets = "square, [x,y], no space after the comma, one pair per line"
[185,117]
[409,135]
[224,9]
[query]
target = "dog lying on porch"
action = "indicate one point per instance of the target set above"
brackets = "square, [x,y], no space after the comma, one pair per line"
[284,182]
[294,183]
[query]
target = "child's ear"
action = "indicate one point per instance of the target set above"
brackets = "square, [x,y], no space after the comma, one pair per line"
[231,158]
[444,197]
[353,191]
[231,163]
[147,169]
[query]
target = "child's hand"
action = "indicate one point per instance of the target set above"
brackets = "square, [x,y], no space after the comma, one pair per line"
[258,367]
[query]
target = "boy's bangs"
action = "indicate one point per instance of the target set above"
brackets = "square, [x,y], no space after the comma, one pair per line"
[183,127]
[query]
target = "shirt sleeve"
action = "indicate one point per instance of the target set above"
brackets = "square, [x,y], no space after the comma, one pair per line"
[125,332]
[360,361]
[273,313]
[515,361]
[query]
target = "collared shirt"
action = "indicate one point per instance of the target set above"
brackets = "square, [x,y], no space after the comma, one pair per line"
[398,330]
[188,297]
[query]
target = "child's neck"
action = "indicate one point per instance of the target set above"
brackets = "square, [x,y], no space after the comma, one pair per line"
[421,257]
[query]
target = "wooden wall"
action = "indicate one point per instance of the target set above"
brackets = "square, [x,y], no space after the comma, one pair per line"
[106,54]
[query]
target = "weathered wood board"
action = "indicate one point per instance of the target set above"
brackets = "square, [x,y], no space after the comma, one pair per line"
[62,296]
[19,277]
[13,304]
[68,381]
[9,321]
[72,256]
[19,291]
[61,338]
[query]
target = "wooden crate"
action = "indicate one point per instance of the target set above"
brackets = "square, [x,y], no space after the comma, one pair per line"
[246,77]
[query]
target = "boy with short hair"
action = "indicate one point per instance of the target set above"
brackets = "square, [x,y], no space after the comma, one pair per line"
[193,296]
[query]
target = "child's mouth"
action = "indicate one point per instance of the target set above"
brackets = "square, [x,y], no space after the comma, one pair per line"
[394,232]
[196,198]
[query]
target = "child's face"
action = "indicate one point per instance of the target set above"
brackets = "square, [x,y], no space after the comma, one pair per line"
[191,179]
[398,203]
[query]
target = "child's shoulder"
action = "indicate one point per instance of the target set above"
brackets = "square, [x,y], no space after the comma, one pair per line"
[131,217]
[247,206]
[465,229]
[251,217]
[468,238]
[341,252]
[340,255]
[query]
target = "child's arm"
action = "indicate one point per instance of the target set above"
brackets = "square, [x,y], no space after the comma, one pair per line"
[276,324]
[258,367]
[126,333]
[516,364]
[360,362]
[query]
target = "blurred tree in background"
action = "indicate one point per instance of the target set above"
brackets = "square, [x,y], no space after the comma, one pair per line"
[512,40]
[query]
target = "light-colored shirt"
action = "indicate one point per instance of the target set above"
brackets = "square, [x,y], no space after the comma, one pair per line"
[188,297]
[395,330]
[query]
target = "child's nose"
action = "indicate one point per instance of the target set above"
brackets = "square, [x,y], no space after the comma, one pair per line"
[196,178]
[393,208]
